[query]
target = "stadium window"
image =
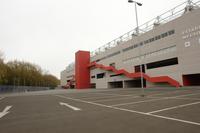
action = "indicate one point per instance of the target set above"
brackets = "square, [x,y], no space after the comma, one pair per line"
[100,75]
[141,43]
[163,63]
[114,75]
[149,40]
[112,64]
[171,32]
[164,34]
[93,76]
[157,37]
[129,48]
[97,60]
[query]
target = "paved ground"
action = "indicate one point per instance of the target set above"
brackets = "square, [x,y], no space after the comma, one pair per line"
[162,110]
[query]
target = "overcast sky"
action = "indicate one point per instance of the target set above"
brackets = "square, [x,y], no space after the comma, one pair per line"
[49,32]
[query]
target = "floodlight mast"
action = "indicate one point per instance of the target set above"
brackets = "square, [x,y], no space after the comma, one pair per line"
[137,33]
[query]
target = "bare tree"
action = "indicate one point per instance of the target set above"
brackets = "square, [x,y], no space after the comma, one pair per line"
[24,74]
[1,56]
[3,69]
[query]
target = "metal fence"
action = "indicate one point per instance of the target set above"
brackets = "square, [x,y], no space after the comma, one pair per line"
[13,89]
[161,19]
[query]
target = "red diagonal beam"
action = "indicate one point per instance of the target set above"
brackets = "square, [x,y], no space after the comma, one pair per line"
[166,79]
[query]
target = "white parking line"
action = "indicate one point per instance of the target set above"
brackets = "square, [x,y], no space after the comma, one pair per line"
[174,119]
[185,95]
[133,96]
[5,111]
[69,106]
[112,94]
[106,100]
[169,92]
[179,98]
[144,101]
[132,111]
[174,107]
[91,98]
[161,98]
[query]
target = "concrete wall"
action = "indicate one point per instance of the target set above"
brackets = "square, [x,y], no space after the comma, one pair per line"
[66,75]
[185,43]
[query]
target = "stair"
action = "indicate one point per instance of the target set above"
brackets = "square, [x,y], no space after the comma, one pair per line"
[159,79]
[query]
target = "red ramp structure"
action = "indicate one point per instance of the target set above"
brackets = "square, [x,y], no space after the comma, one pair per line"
[165,79]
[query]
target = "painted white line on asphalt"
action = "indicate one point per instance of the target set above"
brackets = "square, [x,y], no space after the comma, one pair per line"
[69,106]
[113,94]
[132,111]
[1,98]
[191,94]
[162,98]
[175,119]
[179,98]
[130,97]
[184,95]
[168,92]
[185,98]
[102,97]
[106,100]
[135,95]
[144,101]
[174,107]
[5,111]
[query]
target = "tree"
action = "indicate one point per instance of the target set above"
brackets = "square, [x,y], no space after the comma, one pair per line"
[1,57]
[3,70]
[25,74]
[51,80]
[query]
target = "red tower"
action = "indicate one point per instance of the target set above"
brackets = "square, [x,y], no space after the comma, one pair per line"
[82,73]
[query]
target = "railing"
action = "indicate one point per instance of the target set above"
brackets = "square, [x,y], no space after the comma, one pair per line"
[17,89]
[161,19]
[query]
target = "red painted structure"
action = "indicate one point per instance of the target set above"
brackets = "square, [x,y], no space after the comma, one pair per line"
[83,65]
[137,74]
[82,73]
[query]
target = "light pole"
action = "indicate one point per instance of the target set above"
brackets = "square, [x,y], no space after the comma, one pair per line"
[139,4]
[189,2]
[137,33]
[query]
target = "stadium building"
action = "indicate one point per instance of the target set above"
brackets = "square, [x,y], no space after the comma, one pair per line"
[165,51]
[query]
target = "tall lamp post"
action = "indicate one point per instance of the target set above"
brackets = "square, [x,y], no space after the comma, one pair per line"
[137,32]
[139,4]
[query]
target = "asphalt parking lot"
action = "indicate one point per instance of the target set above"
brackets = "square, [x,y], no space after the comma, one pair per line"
[161,110]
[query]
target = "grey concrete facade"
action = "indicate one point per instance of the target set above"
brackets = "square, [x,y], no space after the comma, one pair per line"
[67,74]
[183,44]
[169,48]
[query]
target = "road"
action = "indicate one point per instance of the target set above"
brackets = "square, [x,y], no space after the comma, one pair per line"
[101,111]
